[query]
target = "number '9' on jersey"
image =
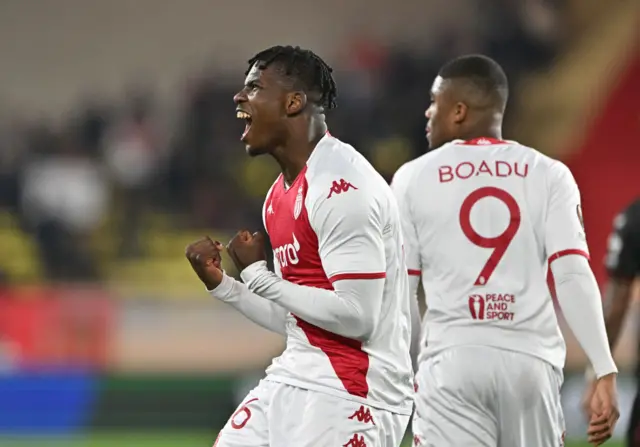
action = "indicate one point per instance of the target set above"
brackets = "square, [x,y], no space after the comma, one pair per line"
[481,221]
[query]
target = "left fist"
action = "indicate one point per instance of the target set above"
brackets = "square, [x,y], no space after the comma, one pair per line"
[246,248]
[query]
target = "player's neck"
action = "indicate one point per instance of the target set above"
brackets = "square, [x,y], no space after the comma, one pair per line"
[494,132]
[292,157]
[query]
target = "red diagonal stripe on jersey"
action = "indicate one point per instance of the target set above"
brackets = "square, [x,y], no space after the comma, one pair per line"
[348,360]
[414,272]
[341,276]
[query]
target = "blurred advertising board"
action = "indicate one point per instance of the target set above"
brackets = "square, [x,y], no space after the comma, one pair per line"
[56,327]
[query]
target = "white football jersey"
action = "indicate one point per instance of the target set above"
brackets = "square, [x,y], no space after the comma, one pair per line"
[482,219]
[339,221]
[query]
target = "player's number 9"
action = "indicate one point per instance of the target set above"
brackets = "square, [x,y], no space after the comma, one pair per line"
[498,243]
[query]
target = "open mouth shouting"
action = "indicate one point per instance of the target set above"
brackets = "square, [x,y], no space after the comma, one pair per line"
[242,115]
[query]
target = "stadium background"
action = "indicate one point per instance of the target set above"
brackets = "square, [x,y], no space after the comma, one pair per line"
[119,146]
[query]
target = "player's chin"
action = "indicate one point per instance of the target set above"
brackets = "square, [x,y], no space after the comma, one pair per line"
[253,150]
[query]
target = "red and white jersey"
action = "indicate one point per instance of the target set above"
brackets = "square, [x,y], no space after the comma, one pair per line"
[318,237]
[482,220]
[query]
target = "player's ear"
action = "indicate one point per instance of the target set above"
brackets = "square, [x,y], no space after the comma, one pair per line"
[296,102]
[460,112]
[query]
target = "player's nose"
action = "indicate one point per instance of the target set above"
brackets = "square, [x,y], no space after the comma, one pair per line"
[239,97]
[427,113]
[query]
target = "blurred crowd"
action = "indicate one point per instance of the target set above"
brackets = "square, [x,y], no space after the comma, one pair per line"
[120,161]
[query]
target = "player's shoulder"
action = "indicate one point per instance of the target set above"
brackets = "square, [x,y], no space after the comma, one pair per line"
[336,169]
[334,160]
[412,169]
[549,167]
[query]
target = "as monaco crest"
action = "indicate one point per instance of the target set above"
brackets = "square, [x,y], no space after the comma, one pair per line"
[297,208]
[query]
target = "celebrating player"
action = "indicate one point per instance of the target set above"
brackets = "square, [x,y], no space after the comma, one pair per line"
[340,288]
[483,220]
[623,265]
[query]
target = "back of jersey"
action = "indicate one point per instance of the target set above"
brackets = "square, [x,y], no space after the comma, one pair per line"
[481,220]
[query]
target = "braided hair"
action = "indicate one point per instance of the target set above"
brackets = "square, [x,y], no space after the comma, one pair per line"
[305,68]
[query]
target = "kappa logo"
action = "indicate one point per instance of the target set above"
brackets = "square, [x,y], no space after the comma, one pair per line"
[363,415]
[338,187]
[356,441]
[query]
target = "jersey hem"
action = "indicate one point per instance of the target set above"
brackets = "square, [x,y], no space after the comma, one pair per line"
[434,349]
[407,411]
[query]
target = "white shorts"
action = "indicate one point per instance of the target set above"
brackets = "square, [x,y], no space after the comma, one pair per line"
[481,396]
[279,415]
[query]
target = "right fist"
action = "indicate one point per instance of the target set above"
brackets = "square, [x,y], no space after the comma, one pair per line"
[205,259]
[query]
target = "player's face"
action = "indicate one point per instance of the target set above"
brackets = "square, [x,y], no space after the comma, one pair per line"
[440,115]
[260,104]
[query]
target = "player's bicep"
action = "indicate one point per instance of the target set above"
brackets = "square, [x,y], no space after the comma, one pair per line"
[564,227]
[350,236]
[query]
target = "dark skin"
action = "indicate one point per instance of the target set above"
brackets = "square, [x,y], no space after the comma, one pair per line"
[618,297]
[284,121]
[459,112]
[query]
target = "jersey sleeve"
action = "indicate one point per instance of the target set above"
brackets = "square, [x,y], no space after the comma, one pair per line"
[411,246]
[564,228]
[349,227]
[623,246]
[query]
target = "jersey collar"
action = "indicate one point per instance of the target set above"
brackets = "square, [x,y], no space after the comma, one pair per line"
[482,141]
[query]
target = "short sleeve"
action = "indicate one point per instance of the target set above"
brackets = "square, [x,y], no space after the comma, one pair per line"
[564,227]
[411,245]
[349,227]
[623,246]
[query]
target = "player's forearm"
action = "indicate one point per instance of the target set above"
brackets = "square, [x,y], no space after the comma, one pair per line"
[350,310]
[416,320]
[264,313]
[579,299]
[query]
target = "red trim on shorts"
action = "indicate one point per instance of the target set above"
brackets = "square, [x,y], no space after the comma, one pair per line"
[414,272]
[341,276]
[346,356]
[571,251]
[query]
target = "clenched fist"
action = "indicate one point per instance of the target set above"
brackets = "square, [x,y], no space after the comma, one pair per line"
[205,259]
[604,410]
[246,248]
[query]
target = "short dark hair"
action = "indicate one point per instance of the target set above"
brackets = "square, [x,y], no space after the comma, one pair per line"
[305,67]
[482,72]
